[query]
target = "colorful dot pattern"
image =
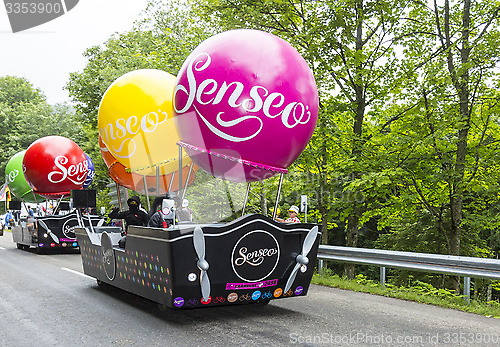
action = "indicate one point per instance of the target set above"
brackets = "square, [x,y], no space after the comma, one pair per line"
[143,269]
[91,255]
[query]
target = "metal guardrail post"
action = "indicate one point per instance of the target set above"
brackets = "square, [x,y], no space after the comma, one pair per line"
[320,266]
[382,276]
[467,289]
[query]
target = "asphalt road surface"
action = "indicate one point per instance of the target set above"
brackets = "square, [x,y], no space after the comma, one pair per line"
[46,300]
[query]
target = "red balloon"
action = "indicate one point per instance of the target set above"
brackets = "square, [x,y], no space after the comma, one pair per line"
[55,165]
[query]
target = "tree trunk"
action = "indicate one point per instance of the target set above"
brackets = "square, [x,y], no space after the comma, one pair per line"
[263,201]
[461,83]
[324,225]
[357,143]
[351,241]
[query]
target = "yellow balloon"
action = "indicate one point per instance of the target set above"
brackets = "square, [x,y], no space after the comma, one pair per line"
[136,125]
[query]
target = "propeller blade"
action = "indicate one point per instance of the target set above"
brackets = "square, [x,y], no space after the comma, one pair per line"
[291,278]
[205,285]
[309,241]
[49,232]
[199,243]
[54,236]
[199,247]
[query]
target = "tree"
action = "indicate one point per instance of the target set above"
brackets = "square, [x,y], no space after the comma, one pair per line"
[15,91]
[445,142]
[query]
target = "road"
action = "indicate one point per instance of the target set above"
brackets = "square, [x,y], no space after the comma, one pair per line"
[46,300]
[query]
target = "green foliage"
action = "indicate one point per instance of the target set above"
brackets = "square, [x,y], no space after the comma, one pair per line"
[103,200]
[214,200]
[15,91]
[25,117]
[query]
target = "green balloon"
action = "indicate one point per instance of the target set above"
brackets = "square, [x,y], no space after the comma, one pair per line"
[16,181]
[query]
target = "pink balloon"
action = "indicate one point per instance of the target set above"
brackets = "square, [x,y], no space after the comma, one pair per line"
[246,105]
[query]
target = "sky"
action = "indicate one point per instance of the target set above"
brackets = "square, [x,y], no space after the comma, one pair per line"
[48,53]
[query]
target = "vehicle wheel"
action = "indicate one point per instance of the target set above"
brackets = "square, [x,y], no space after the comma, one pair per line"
[104,285]
[19,246]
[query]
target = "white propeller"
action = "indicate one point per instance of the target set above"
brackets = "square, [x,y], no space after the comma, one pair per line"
[49,232]
[199,247]
[302,259]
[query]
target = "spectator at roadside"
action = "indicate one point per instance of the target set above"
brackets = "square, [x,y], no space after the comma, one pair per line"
[293,212]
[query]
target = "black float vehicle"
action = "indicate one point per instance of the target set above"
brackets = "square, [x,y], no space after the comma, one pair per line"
[52,231]
[241,114]
[249,259]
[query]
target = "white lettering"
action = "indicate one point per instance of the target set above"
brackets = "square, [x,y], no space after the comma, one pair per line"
[106,256]
[126,128]
[292,114]
[12,176]
[75,173]
[254,258]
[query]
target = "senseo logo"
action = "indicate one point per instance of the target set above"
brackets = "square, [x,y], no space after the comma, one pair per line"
[108,256]
[12,176]
[261,101]
[255,256]
[74,173]
[68,228]
[124,130]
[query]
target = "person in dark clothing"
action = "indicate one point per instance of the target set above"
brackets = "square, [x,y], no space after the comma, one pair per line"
[161,216]
[132,216]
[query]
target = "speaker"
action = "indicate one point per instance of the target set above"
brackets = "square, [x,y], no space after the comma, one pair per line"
[84,198]
[14,205]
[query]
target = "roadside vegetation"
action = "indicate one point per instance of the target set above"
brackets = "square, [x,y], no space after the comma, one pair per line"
[416,291]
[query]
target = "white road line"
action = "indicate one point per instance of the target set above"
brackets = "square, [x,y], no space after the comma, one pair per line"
[77,272]
[1,248]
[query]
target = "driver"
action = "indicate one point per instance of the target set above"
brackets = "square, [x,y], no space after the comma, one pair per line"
[132,216]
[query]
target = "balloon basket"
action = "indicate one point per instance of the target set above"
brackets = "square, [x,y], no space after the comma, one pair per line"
[252,259]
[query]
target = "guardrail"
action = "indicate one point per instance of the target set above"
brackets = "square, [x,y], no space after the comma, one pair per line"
[447,264]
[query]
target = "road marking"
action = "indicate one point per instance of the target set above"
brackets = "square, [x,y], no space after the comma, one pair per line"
[76,272]
[1,248]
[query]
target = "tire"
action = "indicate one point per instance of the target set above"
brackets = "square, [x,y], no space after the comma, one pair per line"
[19,246]
[105,286]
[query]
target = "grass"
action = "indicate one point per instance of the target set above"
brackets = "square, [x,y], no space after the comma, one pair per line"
[419,292]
